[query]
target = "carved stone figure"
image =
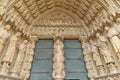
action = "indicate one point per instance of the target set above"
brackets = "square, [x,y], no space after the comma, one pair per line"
[58,73]
[101,70]
[85,48]
[20,57]
[87,58]
[112,34]
[104,48]
[58,65]
[112,68]
[4,34]
[11,50]
[112,6]
[3,6]
[91,73]
[95,53]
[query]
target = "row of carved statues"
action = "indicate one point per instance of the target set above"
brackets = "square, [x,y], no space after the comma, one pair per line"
[14,52]
[103,51]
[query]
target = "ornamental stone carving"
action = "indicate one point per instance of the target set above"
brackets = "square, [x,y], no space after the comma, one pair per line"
[95,53]
[10,52]
[112,34]
[20,57]
[27,64]
[104,49]
[58,65]
[4,34]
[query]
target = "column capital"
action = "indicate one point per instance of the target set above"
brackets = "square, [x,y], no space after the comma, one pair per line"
[61,38]
[83,39]
[34,38]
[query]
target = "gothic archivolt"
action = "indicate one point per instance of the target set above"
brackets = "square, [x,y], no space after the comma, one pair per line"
[96,23]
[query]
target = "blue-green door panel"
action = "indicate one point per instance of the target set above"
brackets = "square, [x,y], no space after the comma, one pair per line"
[74,61]
[43,53]
[79,75]
[72,44]
[74,65]
[46,65]
[43,60]
[44,44]
[73,53]
[44,76]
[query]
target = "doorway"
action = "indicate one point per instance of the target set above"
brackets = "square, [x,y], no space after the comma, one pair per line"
[43,61]
[74,61]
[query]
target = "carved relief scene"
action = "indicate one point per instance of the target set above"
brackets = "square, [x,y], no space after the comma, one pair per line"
[59,39]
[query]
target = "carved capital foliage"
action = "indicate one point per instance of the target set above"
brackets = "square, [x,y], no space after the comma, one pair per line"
[33,39]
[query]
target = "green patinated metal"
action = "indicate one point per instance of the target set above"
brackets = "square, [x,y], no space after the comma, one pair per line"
[74,63]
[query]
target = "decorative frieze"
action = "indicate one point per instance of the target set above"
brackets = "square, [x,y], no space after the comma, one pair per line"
[63,31]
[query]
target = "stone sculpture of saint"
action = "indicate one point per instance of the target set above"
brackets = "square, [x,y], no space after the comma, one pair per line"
[58,51]
[58,46]
[20,57]
[11,49]
[95,52]
[4,34]
[58,66]
[117,25]
[85,47]
[104,49]
[4,4]
[112,34]
[58,72]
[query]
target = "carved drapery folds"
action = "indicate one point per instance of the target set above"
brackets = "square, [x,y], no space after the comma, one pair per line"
[58,65]
[4,34]
[87,57]
[113,35]
[96,57]
[10,52]
[27,64]
[19,60]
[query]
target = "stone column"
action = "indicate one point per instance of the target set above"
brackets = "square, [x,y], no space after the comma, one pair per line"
[58,65]
[19,60]
[27,64]
[92,72]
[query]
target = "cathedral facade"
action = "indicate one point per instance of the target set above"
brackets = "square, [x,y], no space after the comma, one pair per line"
[59,39]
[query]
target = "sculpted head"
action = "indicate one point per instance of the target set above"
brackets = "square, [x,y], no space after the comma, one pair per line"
[90,41]
[18,34]
[106,28]
[25,41]
[118,20]
[7,27]
[97,34]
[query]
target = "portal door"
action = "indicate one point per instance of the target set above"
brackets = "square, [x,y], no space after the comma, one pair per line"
[42,63]
[74,62]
